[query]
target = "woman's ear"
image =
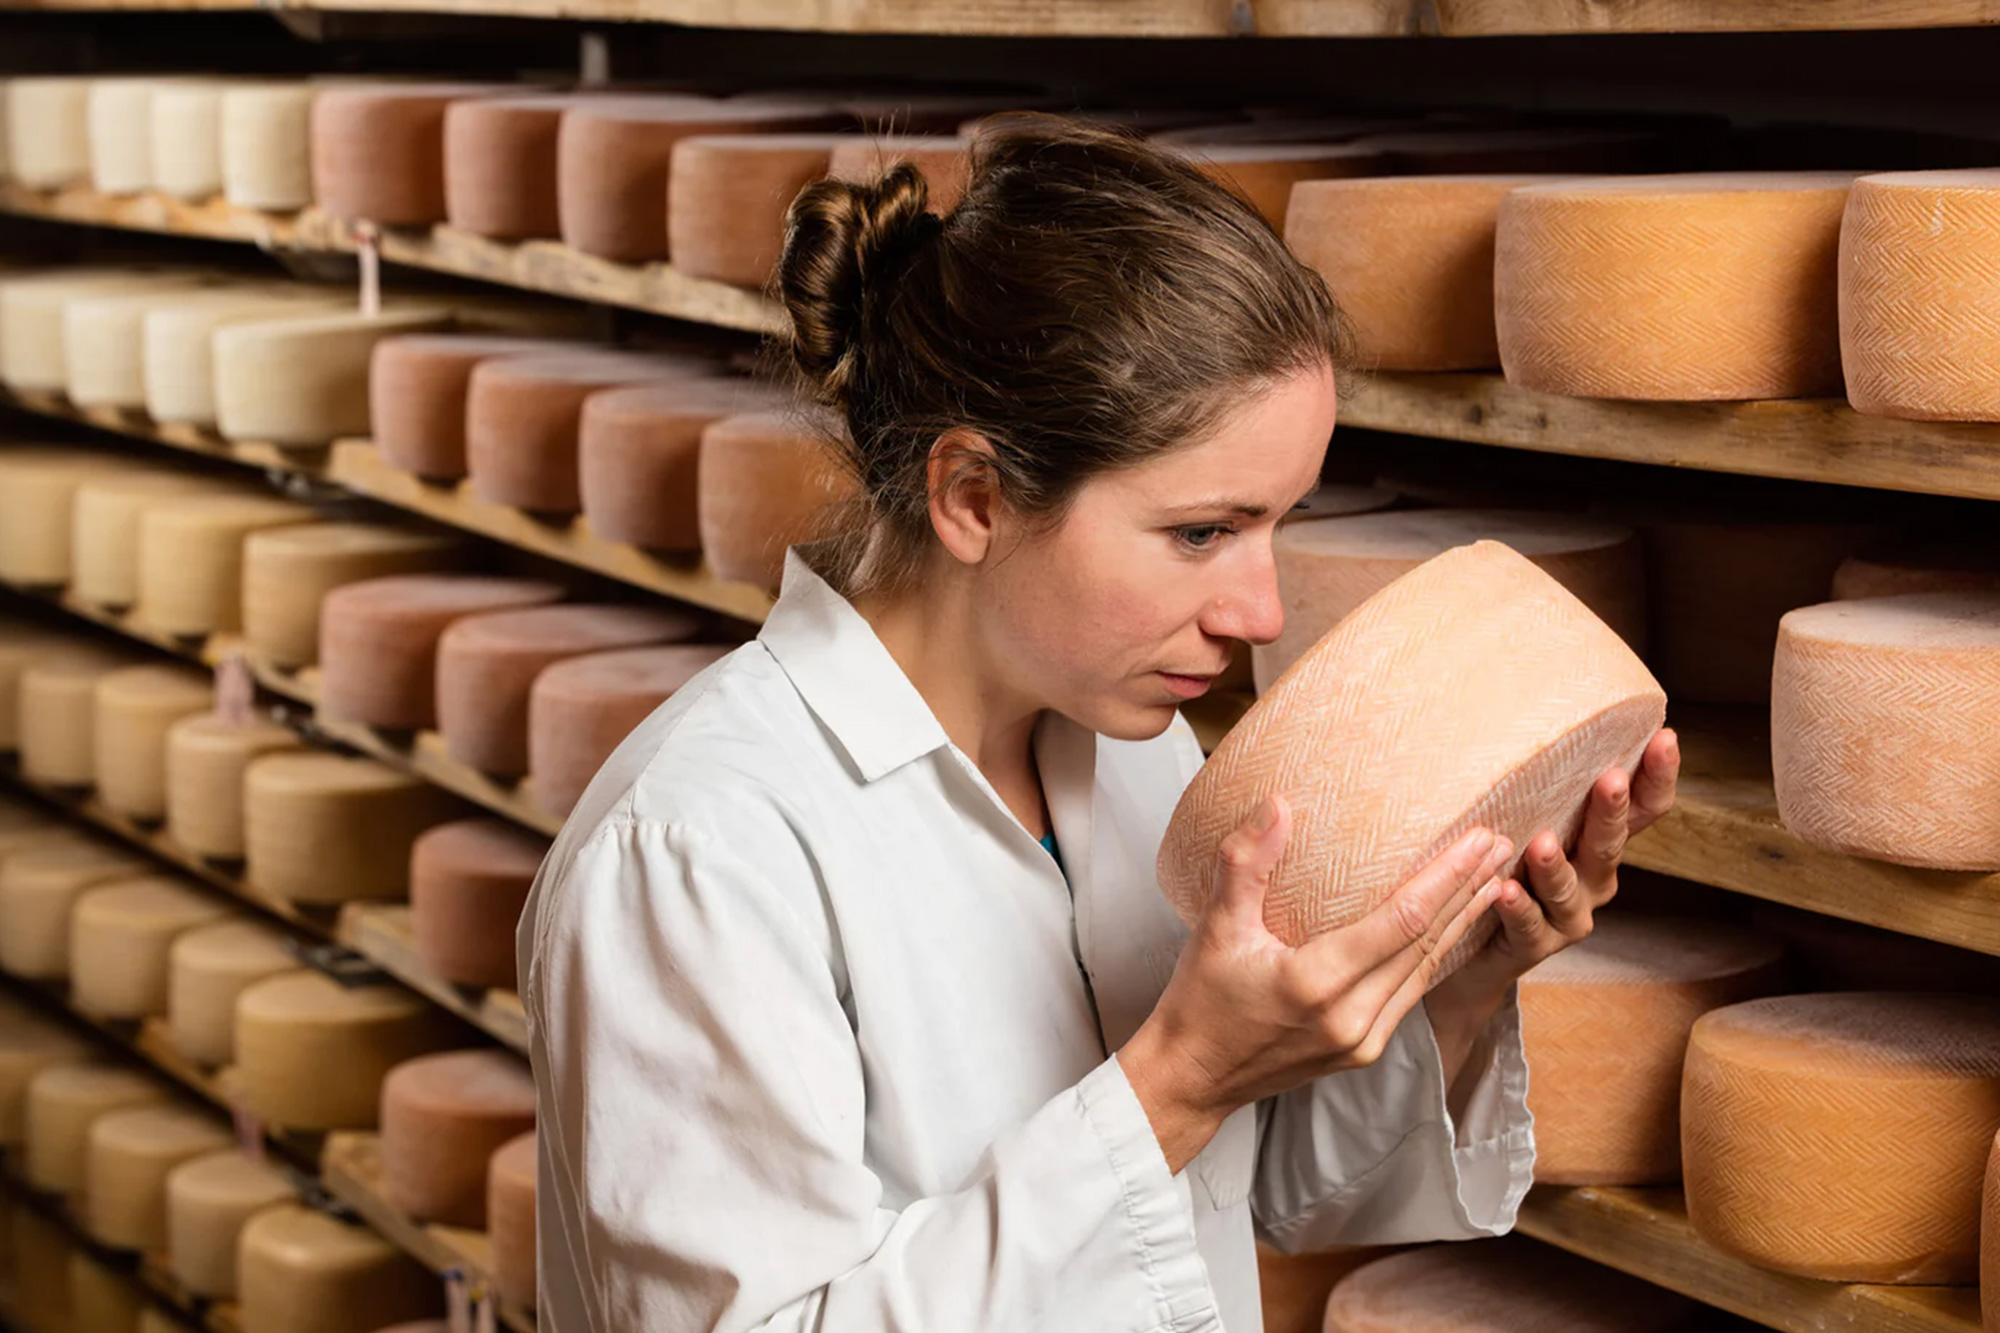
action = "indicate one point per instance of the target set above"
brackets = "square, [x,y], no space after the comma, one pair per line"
[964,494]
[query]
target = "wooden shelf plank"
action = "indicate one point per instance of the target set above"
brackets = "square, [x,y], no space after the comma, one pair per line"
[382,933]
[1495,18]
[1646,1233]
[425,757]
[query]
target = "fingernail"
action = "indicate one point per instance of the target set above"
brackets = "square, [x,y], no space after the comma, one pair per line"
[1482,842]
[1503,850]
[1266,817]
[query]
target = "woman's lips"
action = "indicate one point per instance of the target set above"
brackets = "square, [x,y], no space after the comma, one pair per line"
[1187,687]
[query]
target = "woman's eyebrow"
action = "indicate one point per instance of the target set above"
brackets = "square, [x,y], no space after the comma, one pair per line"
[1244,508]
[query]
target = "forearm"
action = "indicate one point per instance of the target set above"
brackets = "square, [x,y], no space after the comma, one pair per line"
[1461,1009]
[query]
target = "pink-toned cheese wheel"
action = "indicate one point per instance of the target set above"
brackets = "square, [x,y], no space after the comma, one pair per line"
[417,386]
[944,160]
[768,481]
[1894,568]
[614,158]
[510,1219]
[639,454]
[1510,1285]
[468,883]
[1474,691]
[728,197]
[522,415]
[378,640]
[1265,173]
[378,149]
[1572,151]
[486,664]
[1326,569]
[500,164]
[443,1117]
[580,710]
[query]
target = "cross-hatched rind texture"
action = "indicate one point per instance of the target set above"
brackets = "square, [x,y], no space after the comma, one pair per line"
[1885,728]
[1843,1136]
[1475,691]
[1511,1285]
[1920,295]
[1989,1244]
[1672,287]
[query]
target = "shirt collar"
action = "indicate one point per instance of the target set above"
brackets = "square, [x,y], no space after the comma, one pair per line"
[846,676]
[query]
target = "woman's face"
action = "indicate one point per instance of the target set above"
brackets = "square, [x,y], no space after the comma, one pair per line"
[1129,608]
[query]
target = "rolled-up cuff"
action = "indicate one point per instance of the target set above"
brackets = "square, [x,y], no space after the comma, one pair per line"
[1491,1146]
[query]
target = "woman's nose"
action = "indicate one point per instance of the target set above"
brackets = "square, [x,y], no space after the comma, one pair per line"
[1250,608]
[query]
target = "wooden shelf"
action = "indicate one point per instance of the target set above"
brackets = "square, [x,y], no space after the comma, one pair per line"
[1646,1233]
[382,933]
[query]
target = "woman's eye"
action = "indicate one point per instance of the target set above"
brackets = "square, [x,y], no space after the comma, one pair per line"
[1202,536]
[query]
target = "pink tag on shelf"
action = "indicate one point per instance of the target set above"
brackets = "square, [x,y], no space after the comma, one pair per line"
[249,1130]
[369,241]
[235,691]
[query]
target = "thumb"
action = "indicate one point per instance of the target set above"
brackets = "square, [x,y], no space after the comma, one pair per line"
[1244,862]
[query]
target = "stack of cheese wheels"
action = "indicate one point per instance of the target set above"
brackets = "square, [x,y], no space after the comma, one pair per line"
[417,388]
[210,1199]
[1474,691]
[500,164]
[378,640]
[944,161]
[378,150]
[639,454]
[1328,567]
[579,711]
[39,889]
[312,1053]
[288,571]
[1866,696]
[1265,174]
[22,644]
[767,481]
[266,133]
[128,1159]
[443,1117]
[119,125]
[487,663]
[208,968]
[178,342]
[1672,287]
[48,130]
[63,1102]
[29,1044]
[300,1271]
[1606,1026]
[613,158]
[207,757]
[33,350]
[104,338]
[38,489]
[58,713]
[101,1298]
[1989,1243]
[1843,1136]
[469,881]
[522,416]
[1574,151]
[510,1219]
[135,708]
[328,828]
[1917,335]
[727,198]
[186,135]
[191,558]
[1411,261]
[1890,569]
[106,516]
[1512,1285]
[119,938]
[303,380]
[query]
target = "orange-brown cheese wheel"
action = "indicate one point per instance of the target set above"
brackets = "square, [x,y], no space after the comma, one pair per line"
[510,1219]
[1295,1287]
[500,164]
[288,571]
[1511,1285]
[469,881]
[727,199]
[208,968]
[417,385]
[580,710]
[378,150]
[39,888]
[767,481]
[135,709]
[120,937]
[486,664]
[1265,174]
[127,1161]
[1605,1026]
[206,759]
[1989,1244]
[1843,1137]
[301,1271]
[443,1117]
[329,828]
[312,1053]
[209,1201]
[1571,151]
[945,162]
[378,640]
[639,456]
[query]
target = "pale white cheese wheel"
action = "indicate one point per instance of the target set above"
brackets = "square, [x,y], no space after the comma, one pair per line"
[37,499]
[191,559]
[208,968]
[59,712]
[32,346]
[119,936]
[104,342]
[121,136]
[210,1199]
[287,571]
[63,1103]
[22,644]
[129,1156]
[135,707]
[267,145]
[48,130]
[300,1271]
[39,888]
[178,356]
[101,1300]
[105,520]
[207,757]
[303,380]
[30,1044]
[187,139]
[329,828]
[312,1054]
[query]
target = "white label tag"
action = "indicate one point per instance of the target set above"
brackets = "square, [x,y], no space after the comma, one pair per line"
[369,241]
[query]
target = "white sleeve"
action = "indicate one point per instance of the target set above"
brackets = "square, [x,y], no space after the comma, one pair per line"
[703,1113]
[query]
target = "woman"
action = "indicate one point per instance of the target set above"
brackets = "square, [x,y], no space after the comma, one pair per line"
[854,1004]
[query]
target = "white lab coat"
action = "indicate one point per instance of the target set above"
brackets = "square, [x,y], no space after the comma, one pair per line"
[821,1036]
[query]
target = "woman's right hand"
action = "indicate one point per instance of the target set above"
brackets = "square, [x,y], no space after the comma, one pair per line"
[1247,1016]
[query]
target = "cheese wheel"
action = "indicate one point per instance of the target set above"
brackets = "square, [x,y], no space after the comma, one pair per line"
[1919,565]
[1328,568]
[328,828]
[443,1117]
[207,757]
[768,481]
[1264,174]
[21,646]
[579,711]
[378,150]
[37,500]
[1672,287]
[106,514]
[129,1156]
[210,1199]
[639,452]
[1866,698]
[287,573]
[1410,261]
[32,345]
[41,1294]
[728,196]
[945,162]
[510,1219]
[486,664]
[1512,1285]
[469,881]
[63,1102]
[101,1300]
[135,707]
[191,559]
[39,888]
[1295,1287]
[186,142]
[1578,151]
[207,969]
[30,1044]
[119,121]
[1843,1137]
[1989,1244]
[299,1271]
[119,936]
[267,145]
[312,1054]
[500,164]
[417,386]
[1473,691]
[1605,1024]
[58,711]
[48,130]
[614,155]
[303,379]
[104,341]
[178,341]
[378,640]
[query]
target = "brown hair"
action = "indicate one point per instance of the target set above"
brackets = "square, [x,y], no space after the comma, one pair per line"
[1092,301]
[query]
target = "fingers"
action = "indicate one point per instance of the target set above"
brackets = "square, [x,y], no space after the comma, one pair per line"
[1654,786]
[1606,825]
[1410,920]
[1244,862]
[1409,990]
[1560,892]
